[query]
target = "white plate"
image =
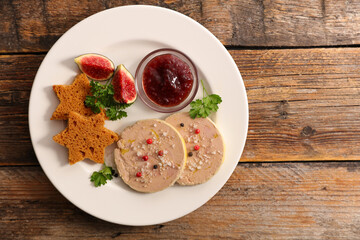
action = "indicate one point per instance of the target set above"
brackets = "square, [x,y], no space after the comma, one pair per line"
[126,35]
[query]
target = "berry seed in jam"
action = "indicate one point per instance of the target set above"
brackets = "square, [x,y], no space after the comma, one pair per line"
[167,80]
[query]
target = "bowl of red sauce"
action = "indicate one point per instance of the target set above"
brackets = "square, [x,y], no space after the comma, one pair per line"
[166,80]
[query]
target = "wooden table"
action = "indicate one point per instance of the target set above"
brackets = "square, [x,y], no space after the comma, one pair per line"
[297,178]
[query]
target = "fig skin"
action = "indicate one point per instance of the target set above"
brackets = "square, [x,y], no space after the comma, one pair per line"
[124,86]
[95,66]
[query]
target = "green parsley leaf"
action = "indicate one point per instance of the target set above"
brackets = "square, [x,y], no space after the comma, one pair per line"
[102,97]
[204,107]
[99,178]
[114,113]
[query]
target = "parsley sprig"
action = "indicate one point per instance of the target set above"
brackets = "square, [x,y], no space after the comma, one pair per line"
[103,98]
[205,106]
[99,178]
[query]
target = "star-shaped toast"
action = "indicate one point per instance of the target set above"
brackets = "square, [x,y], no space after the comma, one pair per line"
[72,98]
[86,137]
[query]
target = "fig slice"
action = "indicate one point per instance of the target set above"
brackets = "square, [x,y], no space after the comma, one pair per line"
[96,66]
[124,85]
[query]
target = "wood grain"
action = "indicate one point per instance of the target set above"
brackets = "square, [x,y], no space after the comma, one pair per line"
[16,77]
[304,104]
[263,201]
[32,26]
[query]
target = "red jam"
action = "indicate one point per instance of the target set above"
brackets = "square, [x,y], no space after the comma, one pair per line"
[167,80]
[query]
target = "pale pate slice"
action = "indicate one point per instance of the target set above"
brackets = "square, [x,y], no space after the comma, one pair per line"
[151,155]
[204,145]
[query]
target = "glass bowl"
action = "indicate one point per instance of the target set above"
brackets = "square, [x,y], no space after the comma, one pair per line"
[140,84]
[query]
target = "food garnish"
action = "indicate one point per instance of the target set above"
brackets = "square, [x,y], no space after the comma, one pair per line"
[96,66]
[204,107]
[103,98]
[124,86]
[99,178]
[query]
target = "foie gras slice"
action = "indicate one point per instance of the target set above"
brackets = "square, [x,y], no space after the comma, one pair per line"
[204,145]
[151,155]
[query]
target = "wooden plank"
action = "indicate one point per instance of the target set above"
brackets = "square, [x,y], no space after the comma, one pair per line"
[16,77]
[260,201]
[304,104]
[32,25]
